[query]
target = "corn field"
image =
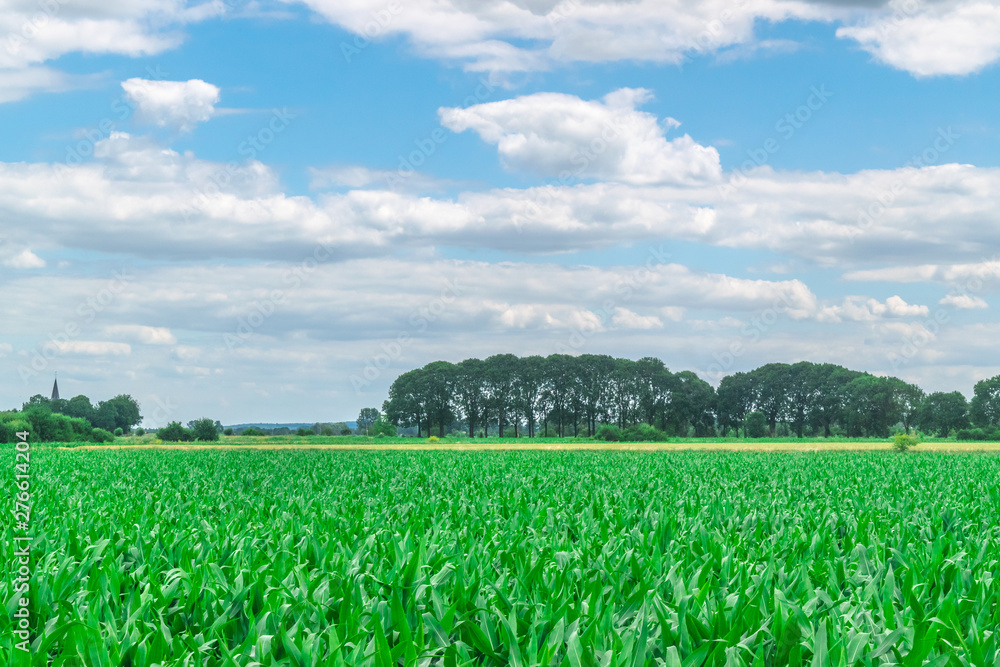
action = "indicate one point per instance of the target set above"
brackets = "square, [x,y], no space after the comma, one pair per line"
[678,559]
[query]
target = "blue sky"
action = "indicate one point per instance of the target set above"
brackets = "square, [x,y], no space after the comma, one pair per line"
[251,211]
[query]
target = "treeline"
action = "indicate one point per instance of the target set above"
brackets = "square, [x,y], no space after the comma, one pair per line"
[562,395]
[73,420]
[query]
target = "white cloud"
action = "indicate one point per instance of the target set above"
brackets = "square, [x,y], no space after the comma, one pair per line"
[93,348]
[626,319]
[953,273]
[32,33]
[142,334]
[859,309]
[25,260]
[178,104]
[941,38]
[488,35]
[18,84]
[945,37]
[560,135]
[964,301]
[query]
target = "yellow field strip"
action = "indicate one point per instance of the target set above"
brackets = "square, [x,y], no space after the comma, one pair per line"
[578,446]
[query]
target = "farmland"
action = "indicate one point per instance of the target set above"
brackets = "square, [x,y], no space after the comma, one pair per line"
[526,558]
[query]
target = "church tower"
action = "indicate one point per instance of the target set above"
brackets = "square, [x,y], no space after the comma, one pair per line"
[55,390]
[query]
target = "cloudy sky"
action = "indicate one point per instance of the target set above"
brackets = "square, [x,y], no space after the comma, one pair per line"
[266,211]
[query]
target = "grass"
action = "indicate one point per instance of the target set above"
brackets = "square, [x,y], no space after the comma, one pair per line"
[472,444]
[359,558]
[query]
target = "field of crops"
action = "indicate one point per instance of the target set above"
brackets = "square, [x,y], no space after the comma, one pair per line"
[520,558]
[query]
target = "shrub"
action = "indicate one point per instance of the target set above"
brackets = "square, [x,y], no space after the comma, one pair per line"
[971,434]
[609,433]
[509,433]
[174,432]
[100,435]
[140,431]
[119,432]
[433,438]
[329,430]
[644,433]
[303,432]
[902,442]
[228,431]
[252,431]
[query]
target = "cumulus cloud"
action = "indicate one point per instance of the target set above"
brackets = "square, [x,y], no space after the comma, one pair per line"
[946,273]
[563,136]
[20,83]
[948,37]
[859,309]
[177,104]
[25,260]
[626,319]
[928,39]
[93,348]
[32,33]
[964,301]
[146,200]
[142,334]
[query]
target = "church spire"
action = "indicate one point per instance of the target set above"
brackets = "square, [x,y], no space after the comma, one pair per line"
[55,389]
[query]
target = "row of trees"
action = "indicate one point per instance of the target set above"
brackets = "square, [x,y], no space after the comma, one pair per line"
[73,420]
[565,395]
[556,395]
[122,411]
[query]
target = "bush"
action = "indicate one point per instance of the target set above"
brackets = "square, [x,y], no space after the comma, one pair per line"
[756,425]
[509,433]
[644,433]
[303,432]
[100,435]
[119,432]
[971,434]
[329,430]
[140,431]
[251,431]
[228,431]
[902,442]
[433,438]
[609,433]
[174,432]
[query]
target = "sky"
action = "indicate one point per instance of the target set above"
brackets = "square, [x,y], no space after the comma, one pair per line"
[267,211]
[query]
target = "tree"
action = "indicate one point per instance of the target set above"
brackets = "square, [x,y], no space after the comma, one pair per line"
[985,406]
[405,405]
[175,432]
[366,418]
[80,406]
[469,393]
[122,412]
[500,371]
[204,429]
[755,425]
[737,397]
[909,398]
[438,389]
[383,428]
[943,413]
